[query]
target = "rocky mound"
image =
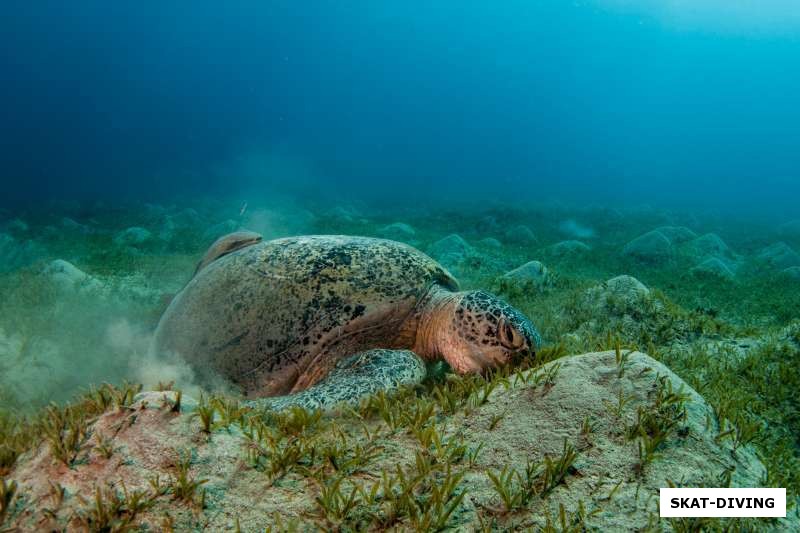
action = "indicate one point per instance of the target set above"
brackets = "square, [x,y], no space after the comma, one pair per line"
[780,255]
[398,231]
[791,273]
[568,248]
[134,237]
[713,267]
[677,234]
[451,251]
[652,247]
[532,274]
[520,235]
[618,296]
[708,246]
[68,277]
[589,438]
[18,254]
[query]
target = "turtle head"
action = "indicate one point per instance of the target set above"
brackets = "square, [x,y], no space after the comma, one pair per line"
[475,330]
[227,244]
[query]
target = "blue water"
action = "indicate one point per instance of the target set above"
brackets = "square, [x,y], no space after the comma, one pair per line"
[624,173]
[690,104]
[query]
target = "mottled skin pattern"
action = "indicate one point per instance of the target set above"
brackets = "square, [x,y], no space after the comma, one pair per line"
[355,377]
[486,326]
[277,318]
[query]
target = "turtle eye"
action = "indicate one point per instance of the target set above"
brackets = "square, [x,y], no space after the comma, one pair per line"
[509,336]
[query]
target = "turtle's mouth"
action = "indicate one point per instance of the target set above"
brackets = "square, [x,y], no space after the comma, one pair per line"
[519,357]
[484,362]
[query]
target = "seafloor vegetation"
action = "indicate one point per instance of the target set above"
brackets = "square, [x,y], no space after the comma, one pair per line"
[715,300]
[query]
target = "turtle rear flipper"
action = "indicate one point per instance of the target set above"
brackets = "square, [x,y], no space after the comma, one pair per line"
[227,244]
[354,378]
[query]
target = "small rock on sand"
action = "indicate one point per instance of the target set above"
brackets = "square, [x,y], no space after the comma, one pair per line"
[67,276]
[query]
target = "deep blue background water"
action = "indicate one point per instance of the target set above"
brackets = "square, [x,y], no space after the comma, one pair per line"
[697,104]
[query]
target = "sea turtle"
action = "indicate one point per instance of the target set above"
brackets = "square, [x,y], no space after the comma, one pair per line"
[330,318]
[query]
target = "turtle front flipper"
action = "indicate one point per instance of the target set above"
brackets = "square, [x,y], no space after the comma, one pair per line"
[354,378]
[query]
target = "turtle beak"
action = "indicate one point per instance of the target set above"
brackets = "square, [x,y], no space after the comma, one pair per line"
[534,340]
[522,355]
